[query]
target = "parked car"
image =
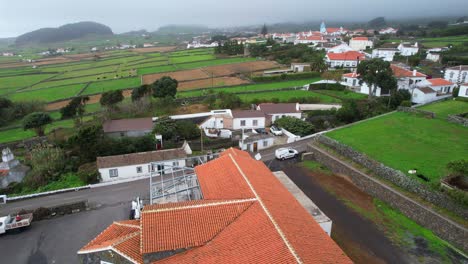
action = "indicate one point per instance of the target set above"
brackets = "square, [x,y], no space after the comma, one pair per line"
[276,131]
[261,131]
[286,153]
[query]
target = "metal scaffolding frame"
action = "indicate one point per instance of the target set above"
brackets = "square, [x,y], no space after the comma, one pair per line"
[173,183]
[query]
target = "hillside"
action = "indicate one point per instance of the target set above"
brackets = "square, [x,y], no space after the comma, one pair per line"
[63,33]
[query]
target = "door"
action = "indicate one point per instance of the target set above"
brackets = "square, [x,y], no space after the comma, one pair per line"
[161,169]
[255,146]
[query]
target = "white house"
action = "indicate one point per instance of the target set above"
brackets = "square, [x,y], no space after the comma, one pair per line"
[255,142]
[276,111]
[336,31]
[433,56]
[463,92]
[422,95]
[360,43]
[339,48]
[349,59]
[441,86]
[408,49]
[309,40]
[197,45]
[388,30]
[457,74]
[300,67]
[245,119]
[133,165]
[385,54]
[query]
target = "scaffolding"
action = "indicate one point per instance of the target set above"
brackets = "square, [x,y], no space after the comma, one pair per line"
[174,183]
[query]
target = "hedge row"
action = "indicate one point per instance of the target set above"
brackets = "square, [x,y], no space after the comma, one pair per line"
[284,77]
[327,86]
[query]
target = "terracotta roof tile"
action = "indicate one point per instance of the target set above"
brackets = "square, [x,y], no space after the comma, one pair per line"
[110,236]
[426,90]
[349,55]
[439,82]
[360,38]
[130,247]
[401,72]
[187,226]
[351,75]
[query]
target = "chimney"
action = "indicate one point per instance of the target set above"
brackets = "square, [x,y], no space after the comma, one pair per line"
[414,72]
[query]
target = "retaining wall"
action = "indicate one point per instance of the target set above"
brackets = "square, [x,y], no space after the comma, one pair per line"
[416,111]
[440,225]
[396,177]
[458,120]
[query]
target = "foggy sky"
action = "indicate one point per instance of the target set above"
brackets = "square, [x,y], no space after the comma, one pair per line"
[21,16]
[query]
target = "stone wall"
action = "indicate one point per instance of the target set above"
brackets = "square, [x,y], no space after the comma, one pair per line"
[27,143]
[396,177]
[458,120]
[443,227]
[416,111]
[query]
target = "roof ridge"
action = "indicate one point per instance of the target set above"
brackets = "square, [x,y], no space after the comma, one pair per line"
[225,202]
[275,224]
[127,225]
[125,238]
[132,235]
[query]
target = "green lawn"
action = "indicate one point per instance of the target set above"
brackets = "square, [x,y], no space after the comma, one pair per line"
[252,87]
[157,69]
[48,94]
[22,80]
[194,65]
[192,58]
[285,96]
[406,141]
[346,94]
[445,108]
[119,84]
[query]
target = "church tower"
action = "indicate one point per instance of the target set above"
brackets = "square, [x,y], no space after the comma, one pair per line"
[323,28]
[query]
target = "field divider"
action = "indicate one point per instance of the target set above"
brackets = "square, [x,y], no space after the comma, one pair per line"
[45,80]
[83,89]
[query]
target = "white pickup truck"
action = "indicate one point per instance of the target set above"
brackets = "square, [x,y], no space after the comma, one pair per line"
[11,222]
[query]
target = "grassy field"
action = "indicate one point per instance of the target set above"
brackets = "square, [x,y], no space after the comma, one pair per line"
[436,42]
[252,87]
[285,96]
[48,94]
[22,80]
[119,84]
[343,94]
[191,58]
[406,141]
[445,108]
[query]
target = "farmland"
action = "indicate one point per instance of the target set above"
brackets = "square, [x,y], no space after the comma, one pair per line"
[406,141]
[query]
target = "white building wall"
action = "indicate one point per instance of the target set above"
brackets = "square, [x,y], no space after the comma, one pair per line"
[127,172]
[261,144]
[422,98]
[456,76]
[249,123]
[433,57]
[360,44]
[386,55]
[463,92]
[213,122]
[277,116]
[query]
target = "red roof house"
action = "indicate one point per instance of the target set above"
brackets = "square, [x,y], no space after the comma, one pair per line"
[246,216]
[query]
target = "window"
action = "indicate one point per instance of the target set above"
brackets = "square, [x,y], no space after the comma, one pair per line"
[466,92]
[122,134]
[242,123]
[175,163]
[139,169]
[464,76]
[265,143]
[113,173]
[255,122]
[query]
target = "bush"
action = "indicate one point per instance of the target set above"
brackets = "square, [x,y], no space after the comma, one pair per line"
[284,77]
[327,86]
[295,125]
[455,92]
[88,173]
[406,103]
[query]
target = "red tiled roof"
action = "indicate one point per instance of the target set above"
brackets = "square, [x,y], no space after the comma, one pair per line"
[351,75]
[426,90]
[401,72]
[111,236]
[318,38]
[190,225]
[130,248]
[332,30]
[439,82]
[360,38]
[349,55]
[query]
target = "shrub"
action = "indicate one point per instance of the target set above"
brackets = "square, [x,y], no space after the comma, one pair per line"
[455,92]
[328,86]
[295,125]
[283,77]
[89,173]
[406,103]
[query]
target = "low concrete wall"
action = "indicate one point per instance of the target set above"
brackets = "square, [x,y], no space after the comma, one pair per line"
[440,225]
[458,120]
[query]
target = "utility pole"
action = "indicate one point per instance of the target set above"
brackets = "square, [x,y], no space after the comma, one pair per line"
[201,139]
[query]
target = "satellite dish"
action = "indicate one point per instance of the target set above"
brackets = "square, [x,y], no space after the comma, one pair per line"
[258,156]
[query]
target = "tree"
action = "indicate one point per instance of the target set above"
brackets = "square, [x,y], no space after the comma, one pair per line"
[295,125]
[349,112]
[111,98]
[377,22]
[37,121]
[228,100]
[376,73]
[47,164]
[318,64]
[166,86]
[458,168]
[140,92]
[264,30]
[187,129]
[166,127]
[76,107]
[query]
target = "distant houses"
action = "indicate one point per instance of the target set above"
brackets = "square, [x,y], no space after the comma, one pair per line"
[388,30]
[347,60]
[408,49]
[360,43]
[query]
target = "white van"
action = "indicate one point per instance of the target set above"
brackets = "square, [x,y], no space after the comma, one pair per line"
[285,153]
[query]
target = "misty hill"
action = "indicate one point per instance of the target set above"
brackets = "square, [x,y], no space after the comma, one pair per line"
[64,33]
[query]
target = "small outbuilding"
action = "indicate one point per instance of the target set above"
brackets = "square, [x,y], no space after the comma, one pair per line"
[135,127]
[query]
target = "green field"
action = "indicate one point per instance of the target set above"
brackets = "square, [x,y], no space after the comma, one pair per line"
[48,94]
[20,134]
[252,87]
[346,94]
[191,58]
[407,141]
[285,96]
[194,65]
[436,42]
[119,84]
[22,80]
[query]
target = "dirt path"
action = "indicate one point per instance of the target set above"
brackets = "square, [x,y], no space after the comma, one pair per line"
[358,237]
